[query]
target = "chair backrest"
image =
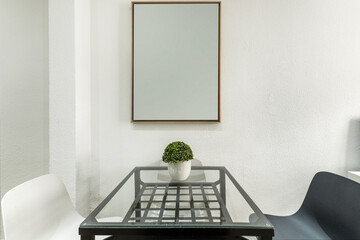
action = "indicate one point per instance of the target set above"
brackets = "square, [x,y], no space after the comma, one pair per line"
[35,208]
[334,201]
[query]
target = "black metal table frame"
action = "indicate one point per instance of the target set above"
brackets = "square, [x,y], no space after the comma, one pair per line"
[158,231]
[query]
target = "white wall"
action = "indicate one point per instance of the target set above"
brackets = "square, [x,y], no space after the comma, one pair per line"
[70,98]
[85,169]
[289,89]
[23,91]
[62,93]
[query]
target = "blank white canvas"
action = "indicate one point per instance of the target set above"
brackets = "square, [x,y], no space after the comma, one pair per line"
[176,61]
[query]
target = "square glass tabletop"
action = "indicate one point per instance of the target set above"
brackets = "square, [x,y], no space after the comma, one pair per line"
[210,202]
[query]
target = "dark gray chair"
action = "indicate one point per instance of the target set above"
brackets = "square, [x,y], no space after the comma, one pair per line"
[331,210]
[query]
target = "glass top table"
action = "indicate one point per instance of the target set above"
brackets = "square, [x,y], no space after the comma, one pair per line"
[210,204]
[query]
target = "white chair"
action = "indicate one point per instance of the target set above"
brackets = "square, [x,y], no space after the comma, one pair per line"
[40,209]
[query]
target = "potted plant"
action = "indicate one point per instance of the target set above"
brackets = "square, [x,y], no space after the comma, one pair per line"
[178,155]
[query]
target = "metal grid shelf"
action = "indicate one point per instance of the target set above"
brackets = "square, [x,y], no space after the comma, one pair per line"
[178,203]
[163,210]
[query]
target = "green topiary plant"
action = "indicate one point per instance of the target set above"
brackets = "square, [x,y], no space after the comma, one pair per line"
[177,152]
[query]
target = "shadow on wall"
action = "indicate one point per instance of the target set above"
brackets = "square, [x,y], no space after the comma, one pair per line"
[352,160]
[176,126]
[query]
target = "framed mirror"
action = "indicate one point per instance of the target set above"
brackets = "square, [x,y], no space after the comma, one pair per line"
[176,61]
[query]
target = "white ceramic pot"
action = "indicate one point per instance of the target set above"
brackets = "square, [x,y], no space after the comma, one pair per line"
[179,171]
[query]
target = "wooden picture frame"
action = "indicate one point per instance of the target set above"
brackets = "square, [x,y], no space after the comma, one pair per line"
[135,82]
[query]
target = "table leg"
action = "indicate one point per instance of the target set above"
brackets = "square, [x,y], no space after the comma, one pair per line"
[137,190]
[87,237]
[222,186]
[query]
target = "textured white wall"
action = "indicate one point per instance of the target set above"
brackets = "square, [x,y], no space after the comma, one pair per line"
[23,92]
[62,118]
[70,101]
[289,89]
[84,168]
